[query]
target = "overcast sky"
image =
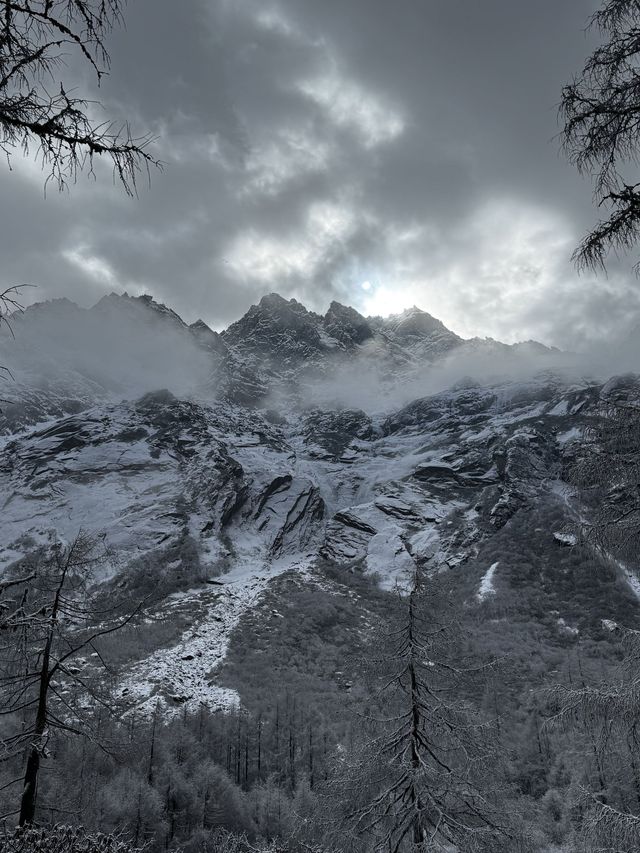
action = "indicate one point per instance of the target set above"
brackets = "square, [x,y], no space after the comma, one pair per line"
[378,153]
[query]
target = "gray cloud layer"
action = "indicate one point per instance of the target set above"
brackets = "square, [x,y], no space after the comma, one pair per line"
[383,154]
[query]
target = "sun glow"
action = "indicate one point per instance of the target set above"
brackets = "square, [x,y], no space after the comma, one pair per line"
[383,301]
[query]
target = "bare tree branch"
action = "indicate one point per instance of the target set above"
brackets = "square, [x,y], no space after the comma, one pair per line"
[600,112]
[53,122]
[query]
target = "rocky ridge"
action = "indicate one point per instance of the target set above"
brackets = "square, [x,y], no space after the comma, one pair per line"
[223,485]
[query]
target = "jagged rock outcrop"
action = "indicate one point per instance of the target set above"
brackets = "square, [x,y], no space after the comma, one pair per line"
[345,325]
[237,471]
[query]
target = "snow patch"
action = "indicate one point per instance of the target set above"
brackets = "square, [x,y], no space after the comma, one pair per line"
[569,435]
[568,629]
[388,558]
[632,579]
[568,539]
[559,409]
[183,676]
[486,584]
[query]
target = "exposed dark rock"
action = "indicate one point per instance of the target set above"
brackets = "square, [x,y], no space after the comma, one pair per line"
[277,485]
[346,325]
[350,520]
[335,431]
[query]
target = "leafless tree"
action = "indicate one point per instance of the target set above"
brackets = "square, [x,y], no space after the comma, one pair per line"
[610,713]
[46,621]
[428,770]
[10,304]
[38,112]
[600,110]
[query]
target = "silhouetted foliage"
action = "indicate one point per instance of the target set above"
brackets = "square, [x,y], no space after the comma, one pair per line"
[600,109]
[38,111]
[420,782]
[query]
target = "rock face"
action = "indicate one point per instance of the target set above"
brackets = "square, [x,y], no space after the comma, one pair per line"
[423,335]
[276,329]
[230,474]
[65,358]
[345,325]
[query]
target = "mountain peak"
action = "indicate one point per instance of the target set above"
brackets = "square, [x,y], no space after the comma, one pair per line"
[58,306]
[207,337]
[416,323]
[346,325]
[115,303]
[276,326]
[273,300]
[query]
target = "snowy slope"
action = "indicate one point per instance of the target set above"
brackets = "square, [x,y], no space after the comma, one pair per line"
[240,471]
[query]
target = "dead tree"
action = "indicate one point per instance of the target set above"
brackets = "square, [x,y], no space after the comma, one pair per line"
[428,770]
[43,628]
[610,715]
[600,111]
[38,112]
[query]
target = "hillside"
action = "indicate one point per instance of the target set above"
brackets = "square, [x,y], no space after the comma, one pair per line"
[268,490]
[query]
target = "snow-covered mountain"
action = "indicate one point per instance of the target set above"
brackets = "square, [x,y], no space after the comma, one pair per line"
[63,358]
[216,464]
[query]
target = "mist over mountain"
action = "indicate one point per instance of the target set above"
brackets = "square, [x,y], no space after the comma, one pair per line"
[319,426]
[277,354]
[269,495]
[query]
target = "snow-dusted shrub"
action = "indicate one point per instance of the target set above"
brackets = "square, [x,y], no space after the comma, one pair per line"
[61,839]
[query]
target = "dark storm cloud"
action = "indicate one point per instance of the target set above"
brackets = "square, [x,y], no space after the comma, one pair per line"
[313,148]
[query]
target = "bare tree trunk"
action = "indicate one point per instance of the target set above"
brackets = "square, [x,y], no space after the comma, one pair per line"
[260,747]
[152,748]
[415,723]
[30,789]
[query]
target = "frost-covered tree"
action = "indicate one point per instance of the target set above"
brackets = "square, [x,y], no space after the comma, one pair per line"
[609,714]
[425,782]
[46,620]
[61,839]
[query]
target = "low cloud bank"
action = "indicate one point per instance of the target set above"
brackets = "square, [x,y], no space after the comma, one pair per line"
[125,347]
[373,385]
[121,346]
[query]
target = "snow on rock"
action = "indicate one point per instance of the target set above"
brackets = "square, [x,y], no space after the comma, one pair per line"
[388,558]
[486,584]
[183,675]
[628,574]
[567,629]
[572,434]
[412,477]
[567,539]
[632,579]
[559,409]
[425,544]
